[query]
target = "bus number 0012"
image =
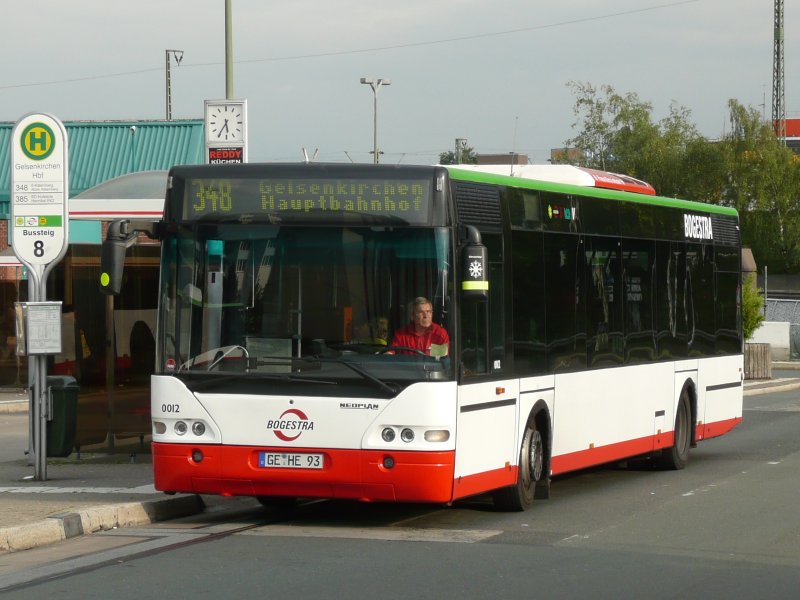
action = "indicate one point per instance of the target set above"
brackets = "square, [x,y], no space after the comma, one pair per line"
[170,408]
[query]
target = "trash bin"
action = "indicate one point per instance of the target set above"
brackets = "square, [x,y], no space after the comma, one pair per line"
[61,427]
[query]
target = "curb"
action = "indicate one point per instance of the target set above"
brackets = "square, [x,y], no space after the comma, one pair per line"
[768,389]
[99,518]
[13,407]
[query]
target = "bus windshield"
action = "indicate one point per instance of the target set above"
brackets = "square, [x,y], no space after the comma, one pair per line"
[300,303]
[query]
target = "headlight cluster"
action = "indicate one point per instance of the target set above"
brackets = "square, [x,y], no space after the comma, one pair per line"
[181,427]
[407,434]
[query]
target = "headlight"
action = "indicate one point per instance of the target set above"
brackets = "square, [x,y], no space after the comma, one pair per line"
[181,428]
[407,435]
[388,434]
[198,428]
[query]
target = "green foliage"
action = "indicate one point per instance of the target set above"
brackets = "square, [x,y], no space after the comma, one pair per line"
[752,306]
[765,189]
[616,133]
[468,156]
[748,168]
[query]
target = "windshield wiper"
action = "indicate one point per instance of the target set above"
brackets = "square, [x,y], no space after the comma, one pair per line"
[220,379]
[215,356]
[389,389]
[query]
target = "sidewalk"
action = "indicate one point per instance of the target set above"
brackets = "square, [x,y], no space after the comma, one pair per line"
[80,496]
[789,379]
[101,491]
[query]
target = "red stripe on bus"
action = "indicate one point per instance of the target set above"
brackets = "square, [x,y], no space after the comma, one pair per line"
[361,474]
[591,457]
[352,474]
[469,485]
[711,430]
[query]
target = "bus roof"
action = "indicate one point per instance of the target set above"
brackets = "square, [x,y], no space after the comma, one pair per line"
[568,174]
[579,181]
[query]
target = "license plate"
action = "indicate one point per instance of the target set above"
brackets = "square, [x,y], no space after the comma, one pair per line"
[290,460]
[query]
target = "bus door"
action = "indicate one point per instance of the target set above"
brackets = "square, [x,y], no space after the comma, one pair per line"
[486,444]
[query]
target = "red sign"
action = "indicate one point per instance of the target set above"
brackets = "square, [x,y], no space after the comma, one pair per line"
[221,156]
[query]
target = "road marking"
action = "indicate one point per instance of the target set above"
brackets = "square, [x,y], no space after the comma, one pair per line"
[773,409]
[42,489]
[458,536]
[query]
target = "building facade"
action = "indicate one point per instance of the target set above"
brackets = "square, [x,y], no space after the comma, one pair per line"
[105,349]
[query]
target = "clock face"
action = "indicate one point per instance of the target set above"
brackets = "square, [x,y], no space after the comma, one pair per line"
[225,123]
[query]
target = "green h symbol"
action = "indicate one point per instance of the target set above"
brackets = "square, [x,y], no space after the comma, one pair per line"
[39,140]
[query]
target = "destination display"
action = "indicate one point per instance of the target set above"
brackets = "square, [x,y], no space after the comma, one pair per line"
[304,199]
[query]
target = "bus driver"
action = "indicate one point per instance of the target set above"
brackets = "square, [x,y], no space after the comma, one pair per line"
[422,333]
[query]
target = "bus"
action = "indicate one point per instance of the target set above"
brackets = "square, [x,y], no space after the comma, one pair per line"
[589,321]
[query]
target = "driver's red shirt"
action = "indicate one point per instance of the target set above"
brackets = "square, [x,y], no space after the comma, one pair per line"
[408,337]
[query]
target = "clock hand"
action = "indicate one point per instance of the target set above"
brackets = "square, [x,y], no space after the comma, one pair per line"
[224,127]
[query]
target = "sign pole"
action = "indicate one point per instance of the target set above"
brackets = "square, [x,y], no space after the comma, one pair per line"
[39,237]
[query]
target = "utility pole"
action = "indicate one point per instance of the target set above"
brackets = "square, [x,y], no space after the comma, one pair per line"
[178,55]
[778,85]
[228,52]
[461,145]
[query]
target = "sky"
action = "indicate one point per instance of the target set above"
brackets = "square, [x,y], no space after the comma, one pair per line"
[495,73]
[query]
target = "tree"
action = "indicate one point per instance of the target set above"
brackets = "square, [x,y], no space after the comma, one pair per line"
[594,113]
[764,186]
[748,169]
[752,306]
[468,156]
[617,133]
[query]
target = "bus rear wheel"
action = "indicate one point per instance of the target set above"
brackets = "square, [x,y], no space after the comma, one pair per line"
[676,457]
[520,496]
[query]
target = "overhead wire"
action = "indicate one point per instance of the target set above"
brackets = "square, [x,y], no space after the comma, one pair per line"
[403,46]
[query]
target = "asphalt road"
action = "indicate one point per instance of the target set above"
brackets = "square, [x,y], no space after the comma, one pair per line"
[728,526]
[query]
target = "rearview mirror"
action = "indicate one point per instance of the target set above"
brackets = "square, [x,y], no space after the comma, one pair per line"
[474,267]
[112,264]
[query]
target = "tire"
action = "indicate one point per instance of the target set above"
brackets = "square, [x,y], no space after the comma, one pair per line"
[519,497]
[676,457]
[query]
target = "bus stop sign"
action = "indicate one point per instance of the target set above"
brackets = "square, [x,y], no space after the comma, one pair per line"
[39,191]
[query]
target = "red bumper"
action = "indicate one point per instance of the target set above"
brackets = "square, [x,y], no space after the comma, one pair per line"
[352,474]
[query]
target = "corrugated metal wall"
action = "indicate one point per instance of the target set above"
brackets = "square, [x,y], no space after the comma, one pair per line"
[102,150]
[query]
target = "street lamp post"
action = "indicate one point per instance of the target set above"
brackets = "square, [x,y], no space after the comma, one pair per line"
[375,84]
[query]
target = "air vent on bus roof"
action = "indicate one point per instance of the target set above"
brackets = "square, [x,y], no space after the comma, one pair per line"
[477,203]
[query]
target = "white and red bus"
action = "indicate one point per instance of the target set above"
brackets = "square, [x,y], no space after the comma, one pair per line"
[589,321]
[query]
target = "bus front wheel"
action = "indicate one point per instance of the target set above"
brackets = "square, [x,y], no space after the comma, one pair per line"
[520,496]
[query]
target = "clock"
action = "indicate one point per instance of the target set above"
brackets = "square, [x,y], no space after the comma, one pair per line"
[225,121]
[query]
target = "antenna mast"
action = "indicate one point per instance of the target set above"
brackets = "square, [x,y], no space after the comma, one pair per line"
[778,85]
